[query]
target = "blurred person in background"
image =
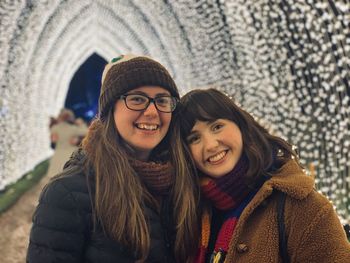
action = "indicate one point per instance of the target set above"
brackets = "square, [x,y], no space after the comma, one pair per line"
[77,139]
[62,133]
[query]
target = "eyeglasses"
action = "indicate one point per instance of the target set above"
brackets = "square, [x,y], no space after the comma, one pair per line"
[138,102]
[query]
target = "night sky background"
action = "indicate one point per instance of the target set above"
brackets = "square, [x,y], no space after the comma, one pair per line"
[84,88]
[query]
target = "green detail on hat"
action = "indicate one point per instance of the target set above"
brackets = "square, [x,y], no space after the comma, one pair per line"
[117,58]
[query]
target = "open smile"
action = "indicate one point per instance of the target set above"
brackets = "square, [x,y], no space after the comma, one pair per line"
[147,127]
[217,157]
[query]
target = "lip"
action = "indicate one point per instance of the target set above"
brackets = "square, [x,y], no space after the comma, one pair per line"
[223,159]
[144,132]
[147,124]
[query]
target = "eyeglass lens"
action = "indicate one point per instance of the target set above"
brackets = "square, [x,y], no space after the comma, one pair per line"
[141,102]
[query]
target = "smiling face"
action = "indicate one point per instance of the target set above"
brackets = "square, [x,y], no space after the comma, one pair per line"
[215,146]
[142,130]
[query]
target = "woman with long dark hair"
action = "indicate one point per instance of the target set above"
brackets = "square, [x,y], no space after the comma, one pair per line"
[258,205]
[127,195]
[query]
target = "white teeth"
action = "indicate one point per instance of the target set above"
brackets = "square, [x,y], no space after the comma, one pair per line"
[150,127]
[217,157]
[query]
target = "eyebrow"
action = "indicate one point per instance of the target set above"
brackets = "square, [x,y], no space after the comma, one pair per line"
[143,93]
[208,122]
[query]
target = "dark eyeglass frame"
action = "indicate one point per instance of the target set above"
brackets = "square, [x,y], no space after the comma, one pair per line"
[150,100]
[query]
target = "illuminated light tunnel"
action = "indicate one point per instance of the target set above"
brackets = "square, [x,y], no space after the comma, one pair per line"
[287,62]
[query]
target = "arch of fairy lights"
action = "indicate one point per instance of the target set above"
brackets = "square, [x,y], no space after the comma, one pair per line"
[287,62]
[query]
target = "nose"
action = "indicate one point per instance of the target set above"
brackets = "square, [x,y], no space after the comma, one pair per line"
[151,110]
[210,143]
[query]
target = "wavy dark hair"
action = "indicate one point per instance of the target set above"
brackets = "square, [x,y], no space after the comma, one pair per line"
[265,152]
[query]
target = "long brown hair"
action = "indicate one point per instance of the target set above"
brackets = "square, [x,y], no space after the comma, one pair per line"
[121,214]
[266,153]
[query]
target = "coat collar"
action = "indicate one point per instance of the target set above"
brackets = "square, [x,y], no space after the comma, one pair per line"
[292,180]
[78,157]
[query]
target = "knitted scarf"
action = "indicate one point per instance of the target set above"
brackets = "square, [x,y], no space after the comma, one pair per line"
[157,177]
[230,194]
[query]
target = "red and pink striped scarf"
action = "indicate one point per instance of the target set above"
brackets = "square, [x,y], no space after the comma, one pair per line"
[227,193]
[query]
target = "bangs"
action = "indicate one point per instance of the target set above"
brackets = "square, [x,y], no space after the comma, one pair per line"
[200,105]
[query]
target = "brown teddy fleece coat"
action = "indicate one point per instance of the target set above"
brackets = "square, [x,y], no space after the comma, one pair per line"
[313,229]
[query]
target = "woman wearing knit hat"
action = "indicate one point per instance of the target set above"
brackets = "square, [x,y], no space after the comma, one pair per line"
[127,195]
[258,205]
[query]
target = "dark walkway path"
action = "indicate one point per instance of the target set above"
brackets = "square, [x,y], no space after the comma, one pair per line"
[15,225]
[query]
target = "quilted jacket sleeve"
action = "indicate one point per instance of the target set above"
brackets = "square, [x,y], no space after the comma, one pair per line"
[59,224]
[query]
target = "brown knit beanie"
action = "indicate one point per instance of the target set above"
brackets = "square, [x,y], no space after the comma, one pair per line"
[128,72]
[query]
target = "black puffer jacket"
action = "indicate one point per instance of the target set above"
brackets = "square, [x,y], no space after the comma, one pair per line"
[62,228]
